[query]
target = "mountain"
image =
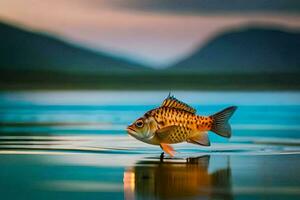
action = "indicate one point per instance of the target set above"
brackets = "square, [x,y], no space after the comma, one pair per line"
[25,50]
[251,49]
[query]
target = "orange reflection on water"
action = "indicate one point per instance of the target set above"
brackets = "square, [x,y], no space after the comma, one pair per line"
[172,179]
[129,184]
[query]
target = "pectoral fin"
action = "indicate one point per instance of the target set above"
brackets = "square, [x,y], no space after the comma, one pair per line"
[168,149]
[165,132]
[200,139]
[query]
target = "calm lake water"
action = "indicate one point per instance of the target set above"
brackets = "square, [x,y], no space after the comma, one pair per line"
[72,145]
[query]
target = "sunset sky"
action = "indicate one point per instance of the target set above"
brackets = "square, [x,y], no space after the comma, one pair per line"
[154,32]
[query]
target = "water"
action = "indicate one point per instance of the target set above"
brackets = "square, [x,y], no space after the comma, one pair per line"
[72,145]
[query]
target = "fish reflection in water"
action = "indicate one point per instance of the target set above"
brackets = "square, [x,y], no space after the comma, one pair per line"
[175,179]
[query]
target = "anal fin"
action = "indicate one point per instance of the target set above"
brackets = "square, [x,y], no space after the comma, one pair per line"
[200,138]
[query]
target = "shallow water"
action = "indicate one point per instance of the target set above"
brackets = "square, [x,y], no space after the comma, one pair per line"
[58,145]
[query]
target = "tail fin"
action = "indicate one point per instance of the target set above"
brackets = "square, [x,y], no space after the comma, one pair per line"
[220,124]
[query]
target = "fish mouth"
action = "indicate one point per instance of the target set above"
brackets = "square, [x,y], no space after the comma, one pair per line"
[131,131]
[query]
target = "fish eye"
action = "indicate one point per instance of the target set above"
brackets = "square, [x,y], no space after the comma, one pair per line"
[139,123]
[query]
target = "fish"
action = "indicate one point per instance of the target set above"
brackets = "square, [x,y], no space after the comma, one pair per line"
[175,122]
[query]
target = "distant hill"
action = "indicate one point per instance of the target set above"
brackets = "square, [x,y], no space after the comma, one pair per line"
[25,50]
[253,49]
[31,60]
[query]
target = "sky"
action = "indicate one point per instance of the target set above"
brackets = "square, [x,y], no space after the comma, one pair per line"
[158,33]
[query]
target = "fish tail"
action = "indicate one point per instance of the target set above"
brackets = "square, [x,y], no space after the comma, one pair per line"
[220,124]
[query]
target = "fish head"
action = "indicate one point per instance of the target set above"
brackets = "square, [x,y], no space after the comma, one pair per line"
[142,129]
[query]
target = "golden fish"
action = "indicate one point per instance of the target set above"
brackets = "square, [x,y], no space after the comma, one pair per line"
[175,122]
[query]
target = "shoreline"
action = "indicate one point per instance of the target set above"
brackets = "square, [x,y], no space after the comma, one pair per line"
[148,80]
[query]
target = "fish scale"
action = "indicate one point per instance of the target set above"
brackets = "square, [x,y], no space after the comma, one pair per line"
[188,122]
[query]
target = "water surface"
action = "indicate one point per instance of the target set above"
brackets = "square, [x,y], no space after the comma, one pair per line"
[59,145]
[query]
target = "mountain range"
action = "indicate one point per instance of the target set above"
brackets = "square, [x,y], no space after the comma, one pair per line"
[248,49]
[25,50]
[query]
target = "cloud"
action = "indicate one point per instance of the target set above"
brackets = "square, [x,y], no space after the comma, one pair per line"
[210,6]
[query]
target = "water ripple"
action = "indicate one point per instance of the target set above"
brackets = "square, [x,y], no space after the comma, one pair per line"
[109,144]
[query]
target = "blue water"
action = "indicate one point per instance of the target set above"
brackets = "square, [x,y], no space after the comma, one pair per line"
[72,145]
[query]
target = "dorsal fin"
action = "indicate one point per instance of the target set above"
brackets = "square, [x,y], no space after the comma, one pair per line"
[172,102]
